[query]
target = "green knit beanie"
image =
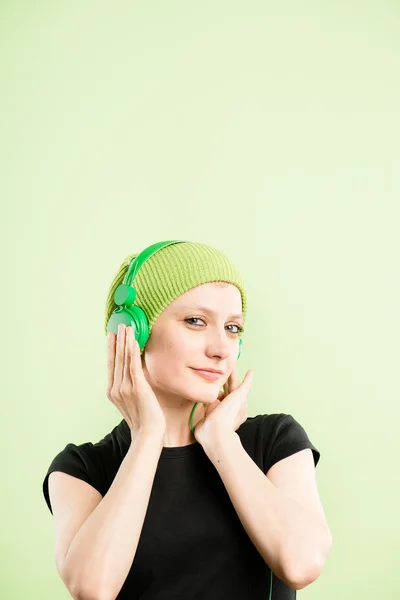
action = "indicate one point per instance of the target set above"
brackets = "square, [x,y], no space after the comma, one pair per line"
[171,272]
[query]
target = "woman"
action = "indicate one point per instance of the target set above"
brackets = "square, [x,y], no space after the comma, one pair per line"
[174,506]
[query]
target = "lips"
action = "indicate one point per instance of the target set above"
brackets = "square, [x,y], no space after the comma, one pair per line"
[210,375]
[209,370]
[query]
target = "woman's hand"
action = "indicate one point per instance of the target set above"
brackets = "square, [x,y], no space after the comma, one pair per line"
[128,389]
[228,412]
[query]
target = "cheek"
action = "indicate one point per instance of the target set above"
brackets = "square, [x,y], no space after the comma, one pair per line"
[167,363]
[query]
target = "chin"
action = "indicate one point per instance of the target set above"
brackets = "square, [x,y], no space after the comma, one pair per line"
[199,394]
[207,397]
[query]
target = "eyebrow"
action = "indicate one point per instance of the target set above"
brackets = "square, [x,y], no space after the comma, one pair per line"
[207,310]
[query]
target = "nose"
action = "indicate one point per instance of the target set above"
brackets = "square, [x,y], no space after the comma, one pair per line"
[219,346]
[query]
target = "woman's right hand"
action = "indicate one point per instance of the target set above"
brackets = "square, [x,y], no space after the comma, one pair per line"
[128,389]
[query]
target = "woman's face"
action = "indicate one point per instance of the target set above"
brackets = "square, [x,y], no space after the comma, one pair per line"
[187,337]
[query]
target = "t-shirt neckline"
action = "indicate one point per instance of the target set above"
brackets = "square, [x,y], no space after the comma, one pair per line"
[166,451]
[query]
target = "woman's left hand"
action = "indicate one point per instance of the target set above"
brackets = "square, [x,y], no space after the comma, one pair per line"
[228,412]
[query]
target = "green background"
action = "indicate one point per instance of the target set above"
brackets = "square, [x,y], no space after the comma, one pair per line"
[269,130]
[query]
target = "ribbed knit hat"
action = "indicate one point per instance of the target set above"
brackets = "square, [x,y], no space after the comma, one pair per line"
[171,272]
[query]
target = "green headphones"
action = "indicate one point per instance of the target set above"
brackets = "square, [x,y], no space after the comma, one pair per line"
[134,316]
[125,295]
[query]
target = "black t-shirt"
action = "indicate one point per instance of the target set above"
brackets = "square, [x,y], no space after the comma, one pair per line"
[192,545]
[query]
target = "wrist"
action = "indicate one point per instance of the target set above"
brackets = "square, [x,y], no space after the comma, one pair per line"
[153,437]
[220,442]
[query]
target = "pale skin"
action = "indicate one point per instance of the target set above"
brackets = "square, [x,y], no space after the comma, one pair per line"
[208,340]
[281,513]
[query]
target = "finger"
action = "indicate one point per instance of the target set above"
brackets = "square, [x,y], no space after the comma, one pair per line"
[246,383]
[234,380]
[119,358]
[136,362]
[128,354]
[110,359]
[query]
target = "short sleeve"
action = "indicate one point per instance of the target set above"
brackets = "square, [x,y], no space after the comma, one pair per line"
[80,461]
[286,438]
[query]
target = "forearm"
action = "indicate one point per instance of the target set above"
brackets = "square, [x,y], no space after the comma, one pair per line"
[101,554]
[291,541]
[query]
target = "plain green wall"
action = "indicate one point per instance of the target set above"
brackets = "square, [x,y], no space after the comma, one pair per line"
[269,130]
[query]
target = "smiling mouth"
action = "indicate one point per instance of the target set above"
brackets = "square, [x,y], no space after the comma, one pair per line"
[207,374]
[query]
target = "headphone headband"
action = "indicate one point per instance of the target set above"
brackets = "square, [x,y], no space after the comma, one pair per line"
[141,258]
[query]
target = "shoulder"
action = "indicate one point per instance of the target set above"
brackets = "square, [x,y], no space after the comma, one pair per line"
[261,425]
[272,437]
[78,460]
[93,462]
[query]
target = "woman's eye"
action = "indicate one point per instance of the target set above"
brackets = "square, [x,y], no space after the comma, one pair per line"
[193,319]
[239,329]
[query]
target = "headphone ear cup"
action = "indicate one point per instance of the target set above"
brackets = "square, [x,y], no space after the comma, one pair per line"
[134,317]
